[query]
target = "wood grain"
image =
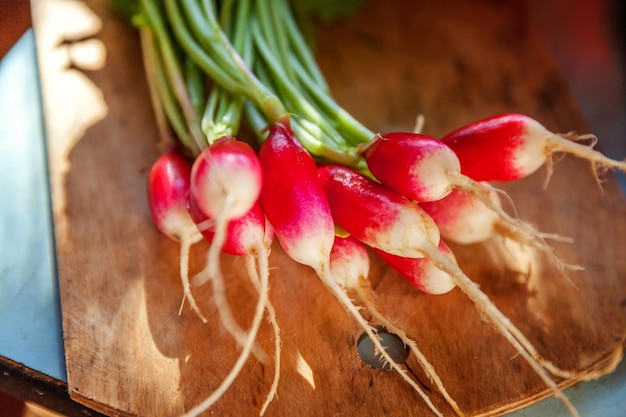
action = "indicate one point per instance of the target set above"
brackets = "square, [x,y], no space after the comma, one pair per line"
[129,352]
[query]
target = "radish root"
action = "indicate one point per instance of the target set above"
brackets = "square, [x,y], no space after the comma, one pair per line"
[185,245]
[504,326]
[213,273]
[513,227]
[324,274]
[247,346]
[569,143]
[366,295]
[260,262]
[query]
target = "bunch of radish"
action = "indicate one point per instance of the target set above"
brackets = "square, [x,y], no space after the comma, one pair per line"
[329,190]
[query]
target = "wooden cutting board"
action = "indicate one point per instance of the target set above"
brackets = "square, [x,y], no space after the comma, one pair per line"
[128,351]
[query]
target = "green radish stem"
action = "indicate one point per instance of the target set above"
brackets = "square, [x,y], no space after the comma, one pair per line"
[173,70]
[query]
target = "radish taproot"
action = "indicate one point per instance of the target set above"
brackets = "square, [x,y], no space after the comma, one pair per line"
[512,146]
[249,236]
[262,303]
[350,266]
[376,215]
[463,218]
[168,187]
[297,209]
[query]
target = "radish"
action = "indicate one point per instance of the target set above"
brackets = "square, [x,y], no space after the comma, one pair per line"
[350,265]
[374,214]
[242,234]
[415,165]
[295,204]
[426,170]
[225,185]
[394,223]
[508,147]
[463,218]
[422,273]
[263,289]
[290,182]
[168,186]
[226,179]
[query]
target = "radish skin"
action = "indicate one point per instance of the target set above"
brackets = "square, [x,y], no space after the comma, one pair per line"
[512,146]
[422,273]
[168,187]
[297,209]
[226,179]
[348,199]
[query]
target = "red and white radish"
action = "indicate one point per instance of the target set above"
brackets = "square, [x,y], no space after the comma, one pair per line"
[242,234]
[350,265]
[295,204]
[422,273]
[376,215]
[415,165]
[512,146]
[168,187]
[293,199]
[352,195]
[463,218]
[426,170]
[226,179]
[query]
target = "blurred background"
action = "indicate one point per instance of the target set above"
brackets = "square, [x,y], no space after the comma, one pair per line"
[589,43]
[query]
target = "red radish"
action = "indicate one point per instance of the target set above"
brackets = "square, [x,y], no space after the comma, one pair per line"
[350,265]
[243,233]
[294,202]
[168,186]
[352,195]
[426,170]
[512,146]
[293,199]
[463,218]
[376,215]
[422,273]
[414,165]
[226,179]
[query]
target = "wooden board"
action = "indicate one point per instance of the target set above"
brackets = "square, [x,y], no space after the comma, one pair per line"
[128,351]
